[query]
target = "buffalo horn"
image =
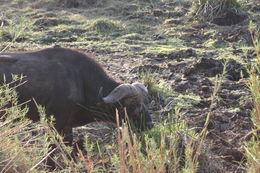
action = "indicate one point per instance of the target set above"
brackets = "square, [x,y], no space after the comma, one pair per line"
[124,90]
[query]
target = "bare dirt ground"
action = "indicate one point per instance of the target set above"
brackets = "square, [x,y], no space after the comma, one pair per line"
[175,48]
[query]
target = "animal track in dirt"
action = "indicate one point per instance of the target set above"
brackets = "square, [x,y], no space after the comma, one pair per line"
[212,67]
[230,18]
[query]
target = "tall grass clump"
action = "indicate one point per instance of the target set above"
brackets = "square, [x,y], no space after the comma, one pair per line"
[255,71]
[210,9]
[168,147]
[106,26]
[19,151]
[17,29]
[161,92]
[252,147]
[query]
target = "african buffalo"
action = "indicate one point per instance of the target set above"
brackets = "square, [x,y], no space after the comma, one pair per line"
[72,87]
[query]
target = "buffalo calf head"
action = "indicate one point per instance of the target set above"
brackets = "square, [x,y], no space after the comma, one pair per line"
[133,97]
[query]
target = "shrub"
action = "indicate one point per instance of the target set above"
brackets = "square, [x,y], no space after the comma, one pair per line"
[211,9]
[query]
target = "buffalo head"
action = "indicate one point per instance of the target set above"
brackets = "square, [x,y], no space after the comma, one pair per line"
[133,97]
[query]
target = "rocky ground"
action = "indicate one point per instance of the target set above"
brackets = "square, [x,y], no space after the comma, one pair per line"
[166,41]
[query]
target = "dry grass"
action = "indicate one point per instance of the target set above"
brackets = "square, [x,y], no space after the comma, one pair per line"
[254,83]
[252,147]
[24,146]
